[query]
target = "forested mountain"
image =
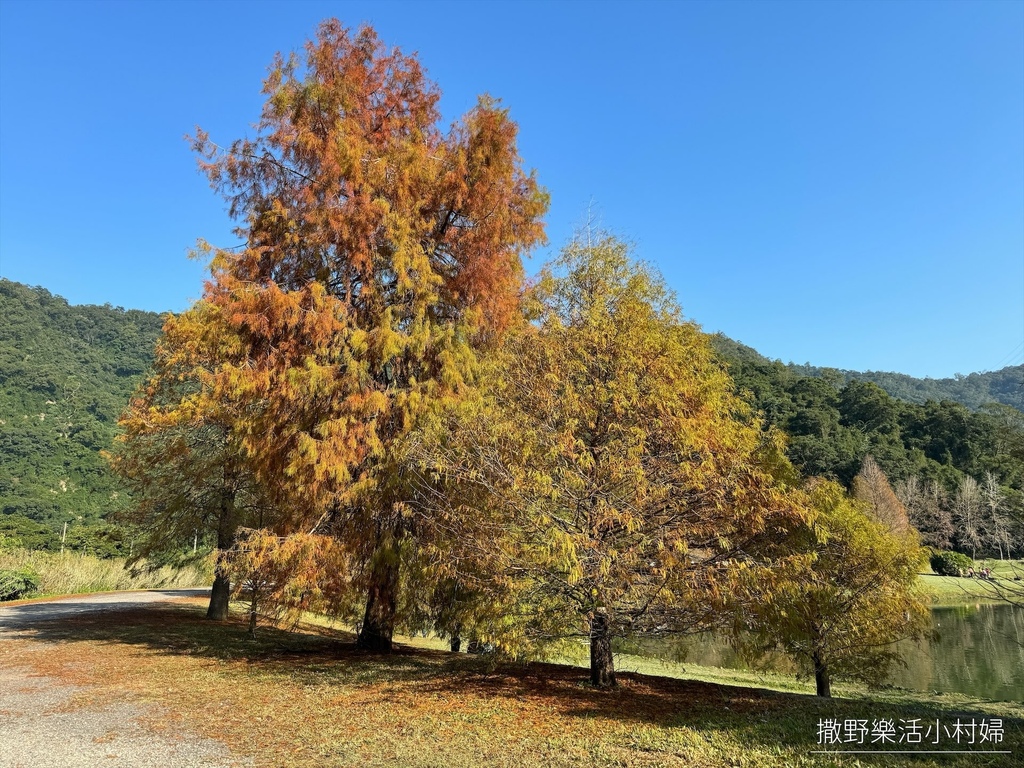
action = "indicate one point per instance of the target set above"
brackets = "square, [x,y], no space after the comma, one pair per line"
[975,390]
[959,472]
[66,373]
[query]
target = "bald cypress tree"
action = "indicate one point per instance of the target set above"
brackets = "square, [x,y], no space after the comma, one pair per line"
[381,252]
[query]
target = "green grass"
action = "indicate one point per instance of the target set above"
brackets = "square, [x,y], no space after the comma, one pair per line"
[309,698]
[70,573]
[951,590]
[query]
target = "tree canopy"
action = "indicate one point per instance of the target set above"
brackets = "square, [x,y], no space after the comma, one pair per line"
[380,252]
[180,452]
[841,618]
[634,485]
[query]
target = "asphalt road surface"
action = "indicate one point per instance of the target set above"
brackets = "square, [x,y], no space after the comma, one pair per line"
[40,727]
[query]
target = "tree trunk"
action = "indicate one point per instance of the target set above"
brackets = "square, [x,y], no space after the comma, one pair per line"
[456,645]
[381,606]
[602,664]
[220,595]
[252,617]
[821,677]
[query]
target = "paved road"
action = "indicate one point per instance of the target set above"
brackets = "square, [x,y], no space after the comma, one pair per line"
[40,726]
[29,614]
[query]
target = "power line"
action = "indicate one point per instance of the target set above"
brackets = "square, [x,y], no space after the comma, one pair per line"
[1010,358]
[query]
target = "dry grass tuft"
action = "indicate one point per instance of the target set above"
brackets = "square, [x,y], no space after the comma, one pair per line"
[71,573]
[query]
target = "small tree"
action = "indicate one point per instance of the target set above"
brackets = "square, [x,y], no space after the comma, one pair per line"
[871,486]
[843,616]
[967,509]
[998,525]
[179,453]
[282,577]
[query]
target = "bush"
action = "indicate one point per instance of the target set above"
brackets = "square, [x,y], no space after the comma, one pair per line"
[950,563]
[17,584]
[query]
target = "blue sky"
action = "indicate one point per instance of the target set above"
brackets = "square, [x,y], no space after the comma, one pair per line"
[838,183]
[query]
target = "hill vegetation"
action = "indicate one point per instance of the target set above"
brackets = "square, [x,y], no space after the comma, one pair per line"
[959,472]
[66,373]
[975,390]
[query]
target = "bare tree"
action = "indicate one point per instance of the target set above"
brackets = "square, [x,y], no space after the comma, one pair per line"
[928,510]
[997,529]
[909,491]
[967,506]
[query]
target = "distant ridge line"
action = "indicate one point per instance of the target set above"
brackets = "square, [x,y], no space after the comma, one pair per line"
[1005,386]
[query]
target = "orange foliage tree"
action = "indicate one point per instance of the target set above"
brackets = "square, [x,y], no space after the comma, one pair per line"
[380,253]
[872,487]
[282,577]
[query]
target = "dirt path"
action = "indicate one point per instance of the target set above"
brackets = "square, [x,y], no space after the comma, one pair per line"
[44,722]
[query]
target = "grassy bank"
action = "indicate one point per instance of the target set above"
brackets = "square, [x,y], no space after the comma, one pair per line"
[310,699]
[71,573]
[951,590]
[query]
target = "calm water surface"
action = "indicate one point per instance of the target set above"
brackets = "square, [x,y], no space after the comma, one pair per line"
[978,650]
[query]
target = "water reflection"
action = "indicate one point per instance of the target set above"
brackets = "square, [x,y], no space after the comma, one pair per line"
[977,650]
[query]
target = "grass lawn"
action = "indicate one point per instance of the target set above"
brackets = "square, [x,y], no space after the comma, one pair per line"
[951,590]
[310,699]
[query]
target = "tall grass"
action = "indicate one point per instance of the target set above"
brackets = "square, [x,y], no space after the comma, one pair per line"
[71,573]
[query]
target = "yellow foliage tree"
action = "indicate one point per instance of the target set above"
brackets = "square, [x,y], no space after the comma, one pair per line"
[843,616]
[180,453]
[629,490]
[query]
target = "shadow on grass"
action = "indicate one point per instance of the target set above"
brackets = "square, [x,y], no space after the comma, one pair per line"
[314,656]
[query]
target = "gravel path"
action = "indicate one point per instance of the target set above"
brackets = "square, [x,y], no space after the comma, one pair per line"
[40,726]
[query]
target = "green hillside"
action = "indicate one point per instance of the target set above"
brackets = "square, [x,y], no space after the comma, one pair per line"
[1004,386]
[959,472]
[66,373]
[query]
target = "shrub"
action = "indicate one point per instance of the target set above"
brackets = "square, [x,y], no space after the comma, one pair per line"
[950,563]
[18,583]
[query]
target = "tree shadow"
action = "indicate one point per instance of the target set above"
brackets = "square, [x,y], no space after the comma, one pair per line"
[313,655]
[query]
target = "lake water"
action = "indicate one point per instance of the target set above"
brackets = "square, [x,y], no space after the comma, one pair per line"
[978,650]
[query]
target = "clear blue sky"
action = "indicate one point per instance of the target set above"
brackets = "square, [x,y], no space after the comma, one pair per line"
[839,183]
